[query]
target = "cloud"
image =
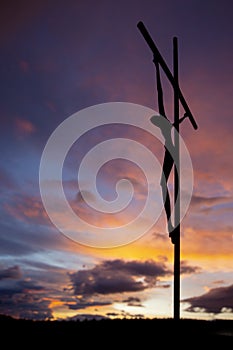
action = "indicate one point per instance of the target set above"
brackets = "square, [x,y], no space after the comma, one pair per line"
[165,286]
[188,269]
[6,180]
[99,285]
[87,194]
[216,300]
[110,173]
[24,127]
[132,301]
[117,276]
[19,239]
[86,317]
[117,169]
[216,240]
[11,273]
[11,245]
[27,208]
[200,202]
[218,282]
[160,236]
[22,298]
[113,314]
[81,304]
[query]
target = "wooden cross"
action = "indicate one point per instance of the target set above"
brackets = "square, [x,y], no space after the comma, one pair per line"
[178,98]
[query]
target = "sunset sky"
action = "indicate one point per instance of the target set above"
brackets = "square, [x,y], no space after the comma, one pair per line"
[59,57]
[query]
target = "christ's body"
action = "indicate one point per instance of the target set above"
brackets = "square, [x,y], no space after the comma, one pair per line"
[166,129]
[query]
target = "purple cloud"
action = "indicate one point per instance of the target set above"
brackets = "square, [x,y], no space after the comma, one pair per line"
[10,273]
[188,269]
[22,298]
[216,300]
[118,276]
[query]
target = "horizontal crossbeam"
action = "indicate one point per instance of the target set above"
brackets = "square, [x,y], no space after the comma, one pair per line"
[159,58]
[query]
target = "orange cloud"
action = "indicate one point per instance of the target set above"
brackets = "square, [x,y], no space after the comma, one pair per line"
[56,303]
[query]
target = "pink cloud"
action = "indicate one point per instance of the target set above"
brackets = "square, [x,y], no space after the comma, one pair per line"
[27,208]
[24,127]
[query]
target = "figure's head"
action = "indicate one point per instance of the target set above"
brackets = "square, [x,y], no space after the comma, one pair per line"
[158,120]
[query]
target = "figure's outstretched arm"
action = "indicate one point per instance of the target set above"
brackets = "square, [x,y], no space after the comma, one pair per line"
[182,119]
[159,89]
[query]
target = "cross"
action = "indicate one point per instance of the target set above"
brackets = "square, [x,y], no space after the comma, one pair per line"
[178,98]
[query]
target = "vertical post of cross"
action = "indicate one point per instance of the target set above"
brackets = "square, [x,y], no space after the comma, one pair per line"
[176,287]
[178,98]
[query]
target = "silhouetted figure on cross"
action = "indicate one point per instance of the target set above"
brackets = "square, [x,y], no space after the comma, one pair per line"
[166,129]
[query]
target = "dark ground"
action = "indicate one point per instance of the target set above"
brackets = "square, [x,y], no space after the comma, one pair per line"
[134,333]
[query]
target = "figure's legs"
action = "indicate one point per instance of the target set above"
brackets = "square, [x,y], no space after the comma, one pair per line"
[167,166]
